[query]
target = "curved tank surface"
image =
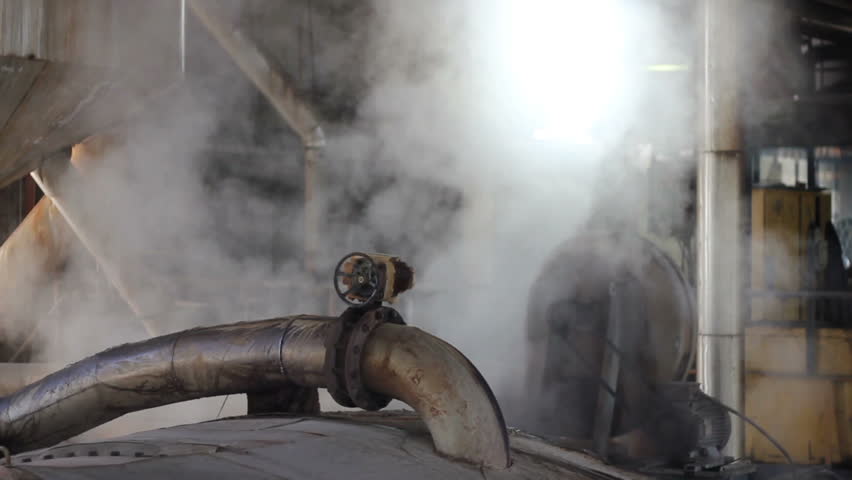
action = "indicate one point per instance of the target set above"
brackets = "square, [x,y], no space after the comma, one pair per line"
[364,358]
[569,310]
[329,446]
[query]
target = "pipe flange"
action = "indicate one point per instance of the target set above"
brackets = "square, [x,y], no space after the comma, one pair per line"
[344,347]
[335,356]
[358,337]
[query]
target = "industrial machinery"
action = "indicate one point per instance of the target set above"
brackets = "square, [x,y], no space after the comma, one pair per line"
[365,358]
[612,325]
[611,333]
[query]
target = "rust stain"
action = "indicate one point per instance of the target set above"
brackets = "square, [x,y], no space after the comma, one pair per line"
[417,377]
[89,153]
[436,412]
[43,237]
[410,351]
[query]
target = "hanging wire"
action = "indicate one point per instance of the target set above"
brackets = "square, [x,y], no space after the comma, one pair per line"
[757,427]
[222,407]
[624,361]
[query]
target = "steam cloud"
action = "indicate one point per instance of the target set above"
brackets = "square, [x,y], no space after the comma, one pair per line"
[436,163]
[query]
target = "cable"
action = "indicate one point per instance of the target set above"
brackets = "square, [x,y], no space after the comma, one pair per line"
[730,410]
[751,422]
[757,427]
[222,407]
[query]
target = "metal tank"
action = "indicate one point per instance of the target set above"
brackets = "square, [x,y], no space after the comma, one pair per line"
[331,446]
[364,358]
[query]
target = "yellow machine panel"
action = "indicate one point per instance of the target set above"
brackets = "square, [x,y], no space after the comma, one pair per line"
[802,414]
[810,413]
[781,221]
[799,377]
[776,350]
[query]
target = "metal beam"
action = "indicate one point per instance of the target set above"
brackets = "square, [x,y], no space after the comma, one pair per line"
[30,260]
[146,296]
[826,29]
[841,4]
[279,89]
[69,69]
[275,85]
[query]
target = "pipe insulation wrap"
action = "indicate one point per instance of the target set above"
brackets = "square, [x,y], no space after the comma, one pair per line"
[402,362]
[202,362]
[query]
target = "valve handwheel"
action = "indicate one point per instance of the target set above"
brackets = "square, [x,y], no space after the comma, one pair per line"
[357,279]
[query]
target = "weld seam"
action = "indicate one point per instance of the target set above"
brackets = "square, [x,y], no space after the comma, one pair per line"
[281,346]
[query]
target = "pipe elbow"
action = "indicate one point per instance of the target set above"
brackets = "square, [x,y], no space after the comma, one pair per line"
[445,389]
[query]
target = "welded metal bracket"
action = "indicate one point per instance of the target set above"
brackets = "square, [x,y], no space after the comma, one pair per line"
[344,348]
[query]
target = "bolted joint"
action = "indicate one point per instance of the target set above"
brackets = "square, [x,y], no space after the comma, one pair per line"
[344,350]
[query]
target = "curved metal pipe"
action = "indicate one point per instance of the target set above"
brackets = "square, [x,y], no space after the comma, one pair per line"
[204,362]
[445,389]
[403,362]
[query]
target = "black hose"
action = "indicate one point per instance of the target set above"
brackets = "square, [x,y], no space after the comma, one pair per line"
[730,410]
[757,427]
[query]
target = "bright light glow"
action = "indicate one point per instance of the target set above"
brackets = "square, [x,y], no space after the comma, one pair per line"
[668,67]
[568,64]
[564,133]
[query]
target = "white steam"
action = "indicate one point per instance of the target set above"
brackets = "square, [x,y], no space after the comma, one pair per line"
[440,165]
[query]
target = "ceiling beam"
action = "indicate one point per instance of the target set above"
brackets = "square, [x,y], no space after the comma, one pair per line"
[275,84]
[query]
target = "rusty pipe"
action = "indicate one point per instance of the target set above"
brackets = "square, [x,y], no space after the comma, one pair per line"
[406,363]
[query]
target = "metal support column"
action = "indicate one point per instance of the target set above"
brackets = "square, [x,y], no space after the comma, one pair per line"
[610,371]
[721,214]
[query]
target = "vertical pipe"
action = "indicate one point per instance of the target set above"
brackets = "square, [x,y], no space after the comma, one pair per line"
[812,169]
[182,38]
[721,215]
[311,210]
